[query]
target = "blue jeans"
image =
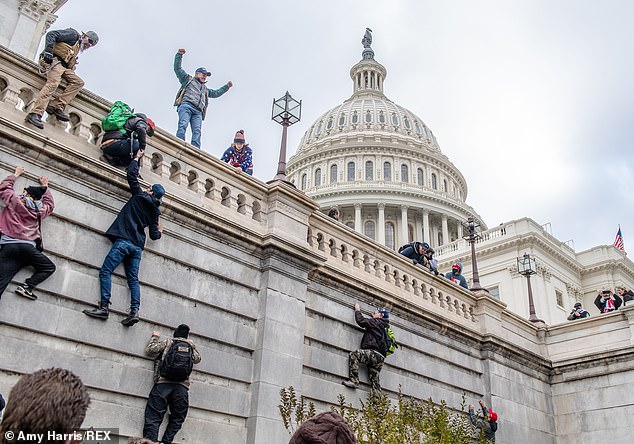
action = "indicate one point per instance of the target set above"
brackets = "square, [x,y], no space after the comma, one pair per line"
[189,115]
[130,254]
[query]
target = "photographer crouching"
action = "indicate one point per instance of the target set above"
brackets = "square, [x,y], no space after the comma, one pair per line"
[578,312]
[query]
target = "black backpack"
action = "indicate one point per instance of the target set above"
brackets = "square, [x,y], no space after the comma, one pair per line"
[178,362]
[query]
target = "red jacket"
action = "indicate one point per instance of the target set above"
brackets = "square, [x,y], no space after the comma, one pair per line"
[16,220]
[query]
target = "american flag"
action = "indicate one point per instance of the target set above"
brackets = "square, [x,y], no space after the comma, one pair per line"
[618,241]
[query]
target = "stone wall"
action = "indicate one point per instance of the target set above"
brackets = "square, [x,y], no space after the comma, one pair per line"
[267,284]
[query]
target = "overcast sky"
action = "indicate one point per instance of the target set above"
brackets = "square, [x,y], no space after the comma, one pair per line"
[532,100]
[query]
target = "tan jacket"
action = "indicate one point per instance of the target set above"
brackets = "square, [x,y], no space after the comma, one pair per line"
[157,348]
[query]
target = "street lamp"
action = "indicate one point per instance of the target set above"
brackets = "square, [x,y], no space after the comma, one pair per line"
[526,267]
[472,237]
[286,112]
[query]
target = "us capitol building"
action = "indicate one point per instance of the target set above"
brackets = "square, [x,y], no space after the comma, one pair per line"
[382,168]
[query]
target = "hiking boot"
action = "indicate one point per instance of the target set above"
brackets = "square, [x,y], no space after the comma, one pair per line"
[35,120]
[26,291]
[132,318]
[350,383]
[101,312]
[58,112]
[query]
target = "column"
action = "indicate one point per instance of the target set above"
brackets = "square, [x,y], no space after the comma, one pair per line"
[418,227]
[404,238]
[357,218]
[459,225]
[445,230]
[426,232]
[381,227]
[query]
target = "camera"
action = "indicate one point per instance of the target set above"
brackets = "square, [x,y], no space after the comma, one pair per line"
[606,292]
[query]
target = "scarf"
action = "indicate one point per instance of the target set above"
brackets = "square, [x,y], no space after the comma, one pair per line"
[30,203]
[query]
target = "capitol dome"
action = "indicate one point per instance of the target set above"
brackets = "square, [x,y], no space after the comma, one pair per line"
[381,167]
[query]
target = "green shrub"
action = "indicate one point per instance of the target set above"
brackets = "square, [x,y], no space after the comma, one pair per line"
[381,421]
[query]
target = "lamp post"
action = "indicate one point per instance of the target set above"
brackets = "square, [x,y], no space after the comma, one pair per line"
[286,112]
[472,237]
[526,267]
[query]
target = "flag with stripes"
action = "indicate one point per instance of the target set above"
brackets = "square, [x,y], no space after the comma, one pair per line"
[618,241]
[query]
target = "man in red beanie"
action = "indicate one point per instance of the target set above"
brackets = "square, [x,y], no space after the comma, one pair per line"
[175,360]
[488,424]
[325,428]
[21,233]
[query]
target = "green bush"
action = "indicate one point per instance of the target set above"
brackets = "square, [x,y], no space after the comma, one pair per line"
[381,421]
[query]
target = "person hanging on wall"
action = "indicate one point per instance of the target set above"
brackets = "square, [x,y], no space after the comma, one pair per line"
[369,352]
[119,146]
[176,358]
[59,60]
[239,154]
[192,98]
[127,233]
[488,424]
[21,233]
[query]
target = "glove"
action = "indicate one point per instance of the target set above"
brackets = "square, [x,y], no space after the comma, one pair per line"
[47,57]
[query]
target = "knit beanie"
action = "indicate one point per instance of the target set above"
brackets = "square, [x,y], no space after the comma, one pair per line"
[36,192]
[325,428]
[239,137]
[182,331]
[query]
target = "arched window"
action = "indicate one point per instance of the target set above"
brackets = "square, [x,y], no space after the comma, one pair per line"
[318,177]
[387,171]
[410,233]
[440,242]
[368,229]
[350,224]
[420,176]
[350,171]
[342,119]
[329,124]
[404,173]
[389,235]
[394,119]
[304,181]
[368,117]
[444,185]
[333,173]
[381,117]
[434,185]
[355,117]
[369,170]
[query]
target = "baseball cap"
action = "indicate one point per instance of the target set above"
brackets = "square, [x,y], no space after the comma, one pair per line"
[204,71]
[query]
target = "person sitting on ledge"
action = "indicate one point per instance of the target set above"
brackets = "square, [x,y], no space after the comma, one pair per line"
[578,312]
[627,295]
[239,154]
[606,301]
[59,60]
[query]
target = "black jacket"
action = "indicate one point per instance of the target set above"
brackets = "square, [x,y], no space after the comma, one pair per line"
[134,125]
[628,296]
[373,331]
[411,251]
[140,211]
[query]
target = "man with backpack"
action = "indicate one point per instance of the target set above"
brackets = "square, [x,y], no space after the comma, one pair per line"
[125,134]
[59,59]
[192,98]
[127,233]
[374,348]
[21,233]
[174,363]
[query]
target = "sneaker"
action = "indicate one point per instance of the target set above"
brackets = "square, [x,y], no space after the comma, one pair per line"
[26,291]
[350,383]
[35,120]
[58,112]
